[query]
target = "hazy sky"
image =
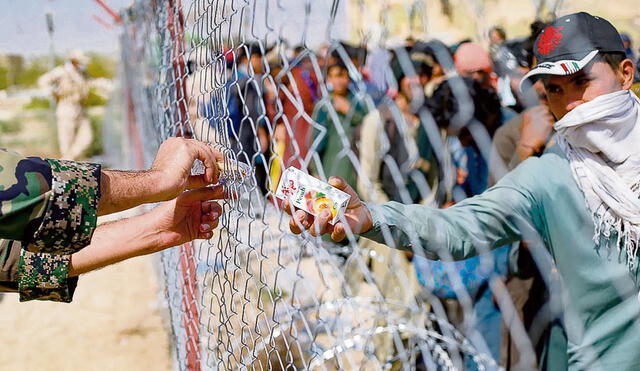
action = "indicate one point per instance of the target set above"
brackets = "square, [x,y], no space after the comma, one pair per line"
[23,27]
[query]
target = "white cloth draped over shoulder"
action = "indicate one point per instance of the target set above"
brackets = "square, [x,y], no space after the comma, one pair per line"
[601,139]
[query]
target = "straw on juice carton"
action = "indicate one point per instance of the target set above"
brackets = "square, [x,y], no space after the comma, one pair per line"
[310,194]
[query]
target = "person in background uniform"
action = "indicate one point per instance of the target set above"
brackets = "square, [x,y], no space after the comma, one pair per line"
[70,89]
[49,209]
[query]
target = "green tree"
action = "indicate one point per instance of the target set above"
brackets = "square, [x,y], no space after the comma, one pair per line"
[29,76]
[100,66]
[4,77]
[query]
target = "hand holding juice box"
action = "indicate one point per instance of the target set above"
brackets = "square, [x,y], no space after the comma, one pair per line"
[310,194]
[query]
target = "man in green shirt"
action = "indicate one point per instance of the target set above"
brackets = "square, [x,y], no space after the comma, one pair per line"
[579,200]
[340,119]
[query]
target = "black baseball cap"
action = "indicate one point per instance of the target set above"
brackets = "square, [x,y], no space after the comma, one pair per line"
[570,43]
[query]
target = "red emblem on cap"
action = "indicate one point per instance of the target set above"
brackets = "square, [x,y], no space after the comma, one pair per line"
[549,40]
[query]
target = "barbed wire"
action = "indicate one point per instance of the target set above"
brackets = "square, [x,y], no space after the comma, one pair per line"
[259,81]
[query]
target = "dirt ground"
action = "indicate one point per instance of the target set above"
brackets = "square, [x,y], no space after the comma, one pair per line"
[114,322]
[116,318]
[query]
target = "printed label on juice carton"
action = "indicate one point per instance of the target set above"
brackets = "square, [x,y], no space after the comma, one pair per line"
[311,194]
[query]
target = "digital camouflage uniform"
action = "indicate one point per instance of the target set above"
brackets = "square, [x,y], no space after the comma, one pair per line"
[48,211]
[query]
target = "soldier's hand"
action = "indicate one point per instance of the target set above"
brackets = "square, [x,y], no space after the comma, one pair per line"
[357,217]
[173,164]
[191,215]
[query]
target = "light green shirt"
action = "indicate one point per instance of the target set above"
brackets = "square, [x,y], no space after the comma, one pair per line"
[600,296]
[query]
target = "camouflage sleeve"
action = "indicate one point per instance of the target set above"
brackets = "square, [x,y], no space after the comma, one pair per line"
[38,276]
[9,258]
[51,207]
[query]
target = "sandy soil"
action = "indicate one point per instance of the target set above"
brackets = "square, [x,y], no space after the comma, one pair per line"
[114,322]
[116,318]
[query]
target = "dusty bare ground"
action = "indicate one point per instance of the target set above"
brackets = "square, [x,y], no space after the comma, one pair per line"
[114,322]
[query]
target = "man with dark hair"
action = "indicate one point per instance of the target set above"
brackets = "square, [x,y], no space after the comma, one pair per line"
[340,118]
[497,35]
[446,107]
[579,200]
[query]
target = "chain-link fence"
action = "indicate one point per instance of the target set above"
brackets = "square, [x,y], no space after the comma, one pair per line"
[349,88]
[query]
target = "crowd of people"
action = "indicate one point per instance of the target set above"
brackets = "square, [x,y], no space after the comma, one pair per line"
[474,153]
[420,123]
[339,101]
[551,125]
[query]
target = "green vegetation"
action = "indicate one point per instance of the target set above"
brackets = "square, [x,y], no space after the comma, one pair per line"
[101,66]
[268,294]
[16,71]
[38,103]
[11,126]
[96,127]
[94,99]
[28,77]
[4,77]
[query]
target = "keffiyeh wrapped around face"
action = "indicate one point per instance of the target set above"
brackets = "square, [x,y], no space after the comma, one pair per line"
[601,139]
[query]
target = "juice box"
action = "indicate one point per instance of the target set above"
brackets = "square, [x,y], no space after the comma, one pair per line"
[310,194]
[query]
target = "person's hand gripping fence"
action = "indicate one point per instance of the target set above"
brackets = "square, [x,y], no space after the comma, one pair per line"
[175,161]
[191,215]
[356,216]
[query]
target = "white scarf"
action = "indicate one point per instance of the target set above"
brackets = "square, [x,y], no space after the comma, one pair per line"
[602,141]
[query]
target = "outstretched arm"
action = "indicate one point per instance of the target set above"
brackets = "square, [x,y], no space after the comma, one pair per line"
[188,217]
[476,225]
[45,276]
[498,216]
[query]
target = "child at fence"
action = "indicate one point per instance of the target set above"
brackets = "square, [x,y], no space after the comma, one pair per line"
[339,117]
[584,211]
